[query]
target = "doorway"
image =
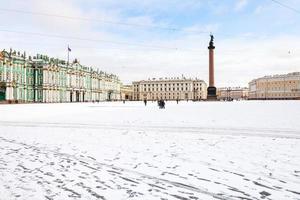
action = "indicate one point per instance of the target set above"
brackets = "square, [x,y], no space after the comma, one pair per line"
[2,94]
[71,96]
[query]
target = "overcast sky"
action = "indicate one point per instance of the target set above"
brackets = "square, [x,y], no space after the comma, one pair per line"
[253,38]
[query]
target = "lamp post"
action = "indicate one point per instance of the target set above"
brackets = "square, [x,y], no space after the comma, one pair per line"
[284,97]
[266,91]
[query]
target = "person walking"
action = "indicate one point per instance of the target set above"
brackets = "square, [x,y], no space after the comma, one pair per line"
[161,104]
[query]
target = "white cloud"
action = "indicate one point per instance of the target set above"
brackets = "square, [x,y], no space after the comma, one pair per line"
[241,4]
[258,10]
[203,28]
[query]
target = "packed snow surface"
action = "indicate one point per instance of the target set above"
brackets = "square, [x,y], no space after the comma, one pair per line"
[190,150]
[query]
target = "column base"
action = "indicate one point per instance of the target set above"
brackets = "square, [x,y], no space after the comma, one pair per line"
[212,94]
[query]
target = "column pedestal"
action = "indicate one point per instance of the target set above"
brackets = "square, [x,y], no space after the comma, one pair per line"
[212,93]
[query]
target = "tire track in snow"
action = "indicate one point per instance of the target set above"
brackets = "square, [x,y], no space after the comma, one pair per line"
[255,132]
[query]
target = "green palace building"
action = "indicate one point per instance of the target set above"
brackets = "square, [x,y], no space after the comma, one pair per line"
[50,80]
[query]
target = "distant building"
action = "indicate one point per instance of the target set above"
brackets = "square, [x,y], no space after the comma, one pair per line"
[49,80]
[170,89]
[127,92]
[286,86]
[232,93]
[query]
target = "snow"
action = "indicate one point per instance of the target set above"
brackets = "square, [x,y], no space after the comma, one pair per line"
[111,150]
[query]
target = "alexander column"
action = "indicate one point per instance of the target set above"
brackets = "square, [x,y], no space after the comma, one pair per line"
[211,90]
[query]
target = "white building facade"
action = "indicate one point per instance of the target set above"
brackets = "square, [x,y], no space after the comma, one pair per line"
[170,89]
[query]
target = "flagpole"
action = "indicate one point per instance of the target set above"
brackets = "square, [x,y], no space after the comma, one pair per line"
[68,54]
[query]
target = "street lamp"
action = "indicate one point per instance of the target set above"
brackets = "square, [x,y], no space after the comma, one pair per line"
[284,89]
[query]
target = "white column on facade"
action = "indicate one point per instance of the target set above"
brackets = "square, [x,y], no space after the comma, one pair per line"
[47,95]
[7,92]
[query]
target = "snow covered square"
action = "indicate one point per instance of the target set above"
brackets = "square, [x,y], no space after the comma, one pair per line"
[111,150]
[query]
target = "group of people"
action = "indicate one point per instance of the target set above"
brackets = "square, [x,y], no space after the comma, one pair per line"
[161,103]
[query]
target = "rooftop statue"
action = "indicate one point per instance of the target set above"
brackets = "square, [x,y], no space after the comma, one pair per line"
[211,43]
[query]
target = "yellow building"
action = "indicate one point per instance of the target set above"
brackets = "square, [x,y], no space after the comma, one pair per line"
[286,86]
[127,92]
[232,93]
